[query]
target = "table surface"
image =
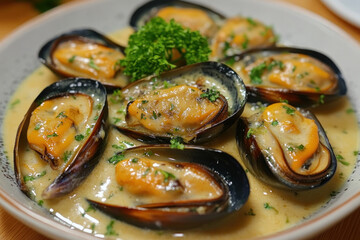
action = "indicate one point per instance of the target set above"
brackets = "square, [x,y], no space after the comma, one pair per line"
[15,13]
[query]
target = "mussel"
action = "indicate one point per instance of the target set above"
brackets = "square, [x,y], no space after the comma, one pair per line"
[195,102]
[85,53]
[239,34]
[286,147]
[177,189]
[303,77]
[190,15]
[67,126]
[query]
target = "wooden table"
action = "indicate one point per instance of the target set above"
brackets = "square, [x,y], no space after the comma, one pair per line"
[14,13]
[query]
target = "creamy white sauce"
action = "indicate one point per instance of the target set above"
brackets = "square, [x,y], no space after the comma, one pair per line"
[267,210]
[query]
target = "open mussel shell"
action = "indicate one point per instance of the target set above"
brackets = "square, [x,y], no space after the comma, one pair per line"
[300,98]
[205,75]
[206,20]
[267,168]
[109,52]
[223,167]
[89,143]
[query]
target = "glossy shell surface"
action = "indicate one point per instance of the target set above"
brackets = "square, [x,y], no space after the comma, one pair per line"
[87,155]
[298,98]
[221,165]
[272,173]
[87,36]
[230,86]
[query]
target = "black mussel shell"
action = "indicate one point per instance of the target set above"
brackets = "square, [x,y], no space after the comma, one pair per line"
[85,35]
[148,10]
[223,75]
[294,97]
[271,173]
[223,167]
[86,158]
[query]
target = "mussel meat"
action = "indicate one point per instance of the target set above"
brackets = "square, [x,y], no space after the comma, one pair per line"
[239,34]
[190,15]
[66,126]
[177,189]
[302,77]
[85,53]
[195,102]
[286,147]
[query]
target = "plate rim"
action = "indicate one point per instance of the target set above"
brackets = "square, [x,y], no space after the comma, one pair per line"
[309,228]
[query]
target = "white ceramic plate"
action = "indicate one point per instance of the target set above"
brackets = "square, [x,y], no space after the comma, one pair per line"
[18,58]
[349,10]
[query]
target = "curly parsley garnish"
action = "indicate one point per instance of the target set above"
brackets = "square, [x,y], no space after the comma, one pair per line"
[150,50]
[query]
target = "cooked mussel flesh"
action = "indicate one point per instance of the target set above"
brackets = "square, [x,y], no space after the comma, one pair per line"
[300,76]
[66,127]
[195,102]
[85,53]
[239,34]
[286,147]
[189,15]
[177,189]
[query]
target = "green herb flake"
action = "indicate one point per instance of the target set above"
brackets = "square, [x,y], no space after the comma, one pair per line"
[251,21]
[148,153]
[230,61]
[66,156]
[250,132]
[128,143]
[143,116]
[250,212]
[172,107]
[134,160]
[116,97]
[211,94]
[147,171]
[177,143]
[40,203]
[116,158]
[256,73]
[154,115]
[289,110]
[321,99]
[166,175]
[290,149]
[37,126]
[275,123]
[340,158]
[350,110]
[356,153]
[300,147]
[72,59]
[245,44]
[93,65]
[293,69]
[116,120]
[144,101]
[61,115]
[52,135]
[90,208]
[110,229]
[28,178]
[269,207]
[79,137]
[120,147]
[14,103]
[92,227]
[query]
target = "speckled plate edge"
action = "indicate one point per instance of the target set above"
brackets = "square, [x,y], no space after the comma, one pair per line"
[26,40]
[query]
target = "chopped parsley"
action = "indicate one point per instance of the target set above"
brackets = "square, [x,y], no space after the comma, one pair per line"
[166,175]
[28,178]
[72,59]
[116,97]
[150,49]
[93,65]
[134,160]
[289,110]
[245,44]
[256,72]
[37,126]
[250,212]
[52,135]
[116,158]
[177,143]
[250,132]
[61,115]
[110,229]
[79,137]
[251,21]
[340,158]
[66,156]
[211,94]
[269,207]
[14,103]
[275,123]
